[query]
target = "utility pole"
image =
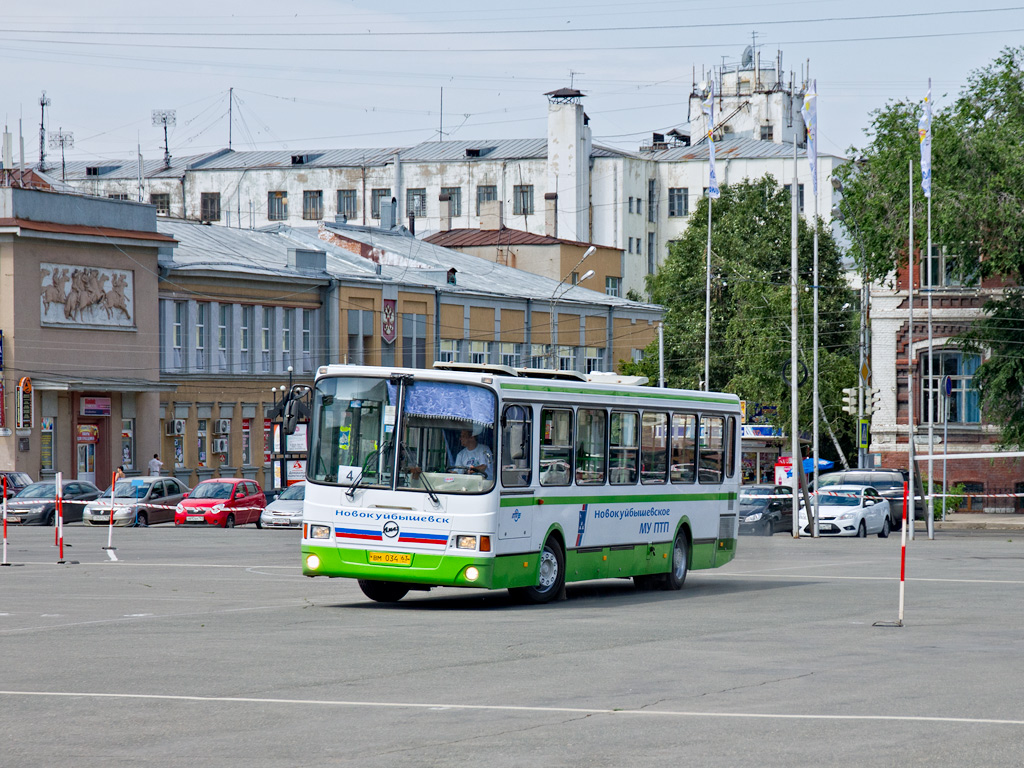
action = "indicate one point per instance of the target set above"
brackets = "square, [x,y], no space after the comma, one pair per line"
[44,102]
[165,117]
[231,101]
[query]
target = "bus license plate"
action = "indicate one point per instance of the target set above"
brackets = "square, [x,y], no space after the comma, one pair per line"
[390,558]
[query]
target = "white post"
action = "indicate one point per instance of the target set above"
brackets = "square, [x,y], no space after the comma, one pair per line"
[814,385]
[911,496]
[661,355]
[707,307]
[794,401]
[110,525]
[929,512]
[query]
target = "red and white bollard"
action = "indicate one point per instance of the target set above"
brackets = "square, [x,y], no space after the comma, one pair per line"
[59,528]
[5,520]
[903,549]
[110,528]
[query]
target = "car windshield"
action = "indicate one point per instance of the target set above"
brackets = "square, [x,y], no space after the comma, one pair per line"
[212,490]
[127,489]
[18,478]
[295,492]
[38,491]
[840,499]
[747,492]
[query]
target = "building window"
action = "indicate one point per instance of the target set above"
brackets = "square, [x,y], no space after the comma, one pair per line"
[162,202]
[945,270]
[277,206]
[223,313]
[312,204]
[630,204]
[360,336]
[566,358]
[592,359]
[766,133]
[449,352]
[414,340]
[631,245]
[678,202]
[962,405]
[307,341]
[454,200]
[416,202]
[246,338]
[522,199]
[652,202]
[287,334]
[510,354]
[799,195]
[639,246]
[209,206]
[652,254]
[265,339]
[202,442]
[485,193]
[376,197]
[202,317]
[180,307]
[639,205]
[479,352]
[539,355]
[613,286]
[128,443]
[117,196]
[246,442]
[347,203]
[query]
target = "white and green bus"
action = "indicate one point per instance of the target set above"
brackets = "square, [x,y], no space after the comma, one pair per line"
[500,478]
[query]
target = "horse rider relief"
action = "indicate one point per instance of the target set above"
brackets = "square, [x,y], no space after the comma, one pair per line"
[72,295]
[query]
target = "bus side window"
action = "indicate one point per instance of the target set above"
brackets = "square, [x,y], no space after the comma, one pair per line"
[555,446]
[516,456]
[684,447]
[623,448]
[654,448]
[730,448]
[711,449]
[590,445]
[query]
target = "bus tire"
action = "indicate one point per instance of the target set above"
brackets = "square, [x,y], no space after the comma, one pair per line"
[680,562]
[383,591]
[550,577]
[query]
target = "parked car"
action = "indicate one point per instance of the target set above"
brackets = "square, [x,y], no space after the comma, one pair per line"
[145,500]
[35,504]
[761,513]
[15,482]
[286,510]
[888,482]
[224,501]
[849,510]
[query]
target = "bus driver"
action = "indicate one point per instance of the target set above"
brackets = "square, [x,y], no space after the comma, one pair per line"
[474,457]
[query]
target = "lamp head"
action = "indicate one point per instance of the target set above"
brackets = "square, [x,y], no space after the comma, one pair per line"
[586,275]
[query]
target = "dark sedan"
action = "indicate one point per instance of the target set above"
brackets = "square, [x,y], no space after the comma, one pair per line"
[763,512]
[35,504]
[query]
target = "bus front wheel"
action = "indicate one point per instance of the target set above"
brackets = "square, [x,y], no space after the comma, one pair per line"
[383,591]
[550,577]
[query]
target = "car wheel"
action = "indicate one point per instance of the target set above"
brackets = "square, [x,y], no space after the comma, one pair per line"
[142,520]
[550,578]
[229,522]
[766,528]
[51,518]
[680,562]
[383,591]
[862,531]
[259,519]
[884,533]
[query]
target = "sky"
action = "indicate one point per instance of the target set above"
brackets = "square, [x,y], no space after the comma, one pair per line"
[360,73]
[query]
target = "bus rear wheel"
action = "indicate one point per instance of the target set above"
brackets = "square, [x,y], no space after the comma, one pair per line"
[550,577]
[383,591]
[680,562]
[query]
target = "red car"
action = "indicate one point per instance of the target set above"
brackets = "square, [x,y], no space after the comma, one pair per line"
[224,502]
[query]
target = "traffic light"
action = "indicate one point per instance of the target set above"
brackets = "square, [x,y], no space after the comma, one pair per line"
[850,400]
[872,400]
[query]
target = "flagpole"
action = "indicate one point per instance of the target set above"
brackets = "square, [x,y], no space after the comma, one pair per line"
[911,497]
[794,401]
[812,156]
[930,512]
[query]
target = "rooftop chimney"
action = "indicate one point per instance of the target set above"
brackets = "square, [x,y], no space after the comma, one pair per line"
[490,214]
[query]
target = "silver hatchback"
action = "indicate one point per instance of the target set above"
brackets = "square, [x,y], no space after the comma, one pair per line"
[286,510]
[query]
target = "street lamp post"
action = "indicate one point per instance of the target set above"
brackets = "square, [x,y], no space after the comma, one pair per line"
[556,297]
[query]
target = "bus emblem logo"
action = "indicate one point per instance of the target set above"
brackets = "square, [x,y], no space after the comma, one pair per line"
[390,529]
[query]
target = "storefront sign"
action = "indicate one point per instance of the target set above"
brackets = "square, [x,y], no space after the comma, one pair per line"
[24,417]
[267,445]
[296,471]
[388,322]
[3,406]
[1,351]
[94,406]
[87,433]
[46,443]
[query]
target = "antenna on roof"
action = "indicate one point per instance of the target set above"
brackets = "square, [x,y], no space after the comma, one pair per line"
[165,117]
[60,139]
[747,59]
[43,104]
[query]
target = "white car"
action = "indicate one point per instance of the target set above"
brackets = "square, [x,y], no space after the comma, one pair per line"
[849,510]
[286,510]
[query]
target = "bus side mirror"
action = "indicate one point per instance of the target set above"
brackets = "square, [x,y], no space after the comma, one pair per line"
[291,417]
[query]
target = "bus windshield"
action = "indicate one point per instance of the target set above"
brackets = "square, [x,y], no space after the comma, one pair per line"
[446,428]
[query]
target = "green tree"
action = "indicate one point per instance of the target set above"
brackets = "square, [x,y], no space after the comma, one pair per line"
[750,336]
[977,212]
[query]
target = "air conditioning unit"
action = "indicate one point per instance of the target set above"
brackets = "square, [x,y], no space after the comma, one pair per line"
[174,427]
[220,445]
[222,427]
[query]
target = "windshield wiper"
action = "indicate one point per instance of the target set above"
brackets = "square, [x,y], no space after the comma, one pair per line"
[406,453]
[351,492]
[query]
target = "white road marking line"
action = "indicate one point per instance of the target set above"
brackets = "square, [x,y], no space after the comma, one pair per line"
[513,708]
[865,578]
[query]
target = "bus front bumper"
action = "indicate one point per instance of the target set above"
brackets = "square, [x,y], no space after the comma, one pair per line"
[427,569]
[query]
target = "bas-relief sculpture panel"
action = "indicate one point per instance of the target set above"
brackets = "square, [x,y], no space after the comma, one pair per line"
[86,297]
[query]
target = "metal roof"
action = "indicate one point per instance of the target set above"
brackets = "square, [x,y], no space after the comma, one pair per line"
[729,148]
[464,238]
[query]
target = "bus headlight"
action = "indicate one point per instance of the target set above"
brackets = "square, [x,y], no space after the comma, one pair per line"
[319,532]
[472,573]
[465,542]
[313,562]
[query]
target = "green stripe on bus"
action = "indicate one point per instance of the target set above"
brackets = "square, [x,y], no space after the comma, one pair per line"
[527,501]
[654,393]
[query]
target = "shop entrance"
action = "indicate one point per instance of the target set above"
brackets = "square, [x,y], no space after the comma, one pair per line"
[87,462]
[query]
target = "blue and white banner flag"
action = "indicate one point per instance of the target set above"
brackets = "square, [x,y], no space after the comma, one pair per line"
[924,132]
[809,112]
[708,107]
